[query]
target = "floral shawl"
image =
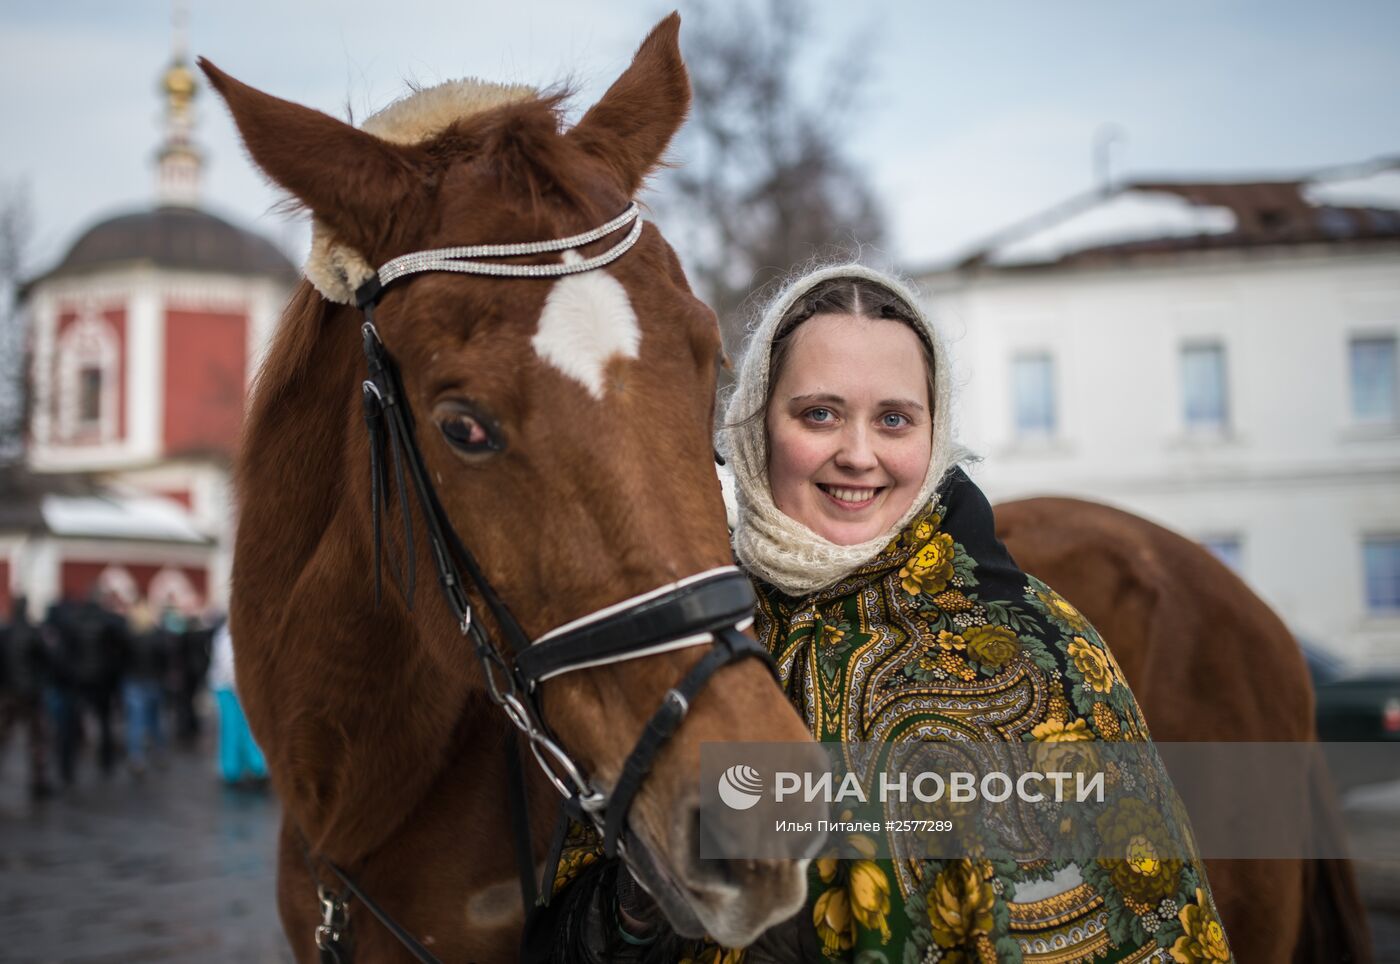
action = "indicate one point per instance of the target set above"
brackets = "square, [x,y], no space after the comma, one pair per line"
[941,637]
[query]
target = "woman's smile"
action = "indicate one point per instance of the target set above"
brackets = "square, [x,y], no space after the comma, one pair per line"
[849,498]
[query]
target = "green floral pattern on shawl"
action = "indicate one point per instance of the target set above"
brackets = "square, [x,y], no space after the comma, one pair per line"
[942,638]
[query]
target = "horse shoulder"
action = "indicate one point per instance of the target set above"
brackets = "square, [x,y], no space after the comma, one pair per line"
[1205,656]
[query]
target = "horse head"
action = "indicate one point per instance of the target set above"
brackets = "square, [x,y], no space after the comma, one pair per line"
[564,424]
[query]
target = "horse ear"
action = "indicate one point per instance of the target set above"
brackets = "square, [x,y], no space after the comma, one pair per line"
[630,127]
[352,181]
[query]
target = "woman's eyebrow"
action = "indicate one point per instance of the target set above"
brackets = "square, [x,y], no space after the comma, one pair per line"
[826,398]
[901,403]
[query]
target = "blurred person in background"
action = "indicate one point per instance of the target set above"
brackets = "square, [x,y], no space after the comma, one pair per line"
[141,689]
[92,647]
[189,668]
[241,763]
[24,672]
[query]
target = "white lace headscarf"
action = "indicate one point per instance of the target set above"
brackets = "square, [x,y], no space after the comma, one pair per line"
[771,545]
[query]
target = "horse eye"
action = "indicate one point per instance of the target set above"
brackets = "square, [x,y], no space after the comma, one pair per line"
[466,432]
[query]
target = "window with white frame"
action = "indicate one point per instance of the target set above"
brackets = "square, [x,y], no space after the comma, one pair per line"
[1205,405]
[1381,559]
[1228,548]
[1373,396]
[1033,394]
[87,368]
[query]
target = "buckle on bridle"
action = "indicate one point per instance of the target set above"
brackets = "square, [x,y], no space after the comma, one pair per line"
[331,931]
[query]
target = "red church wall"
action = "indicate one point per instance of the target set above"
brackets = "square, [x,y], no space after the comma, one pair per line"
[79,577]
[116,317]
[205,365]
[182,496]
[6,600]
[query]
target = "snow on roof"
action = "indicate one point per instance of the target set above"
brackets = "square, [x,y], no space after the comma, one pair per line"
[120,517]
[1119,219]
[1380,189]
[1354,203]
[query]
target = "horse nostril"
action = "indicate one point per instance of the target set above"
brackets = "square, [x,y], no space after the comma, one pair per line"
[704,840]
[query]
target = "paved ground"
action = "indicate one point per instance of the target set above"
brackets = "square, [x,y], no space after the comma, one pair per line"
[175,867]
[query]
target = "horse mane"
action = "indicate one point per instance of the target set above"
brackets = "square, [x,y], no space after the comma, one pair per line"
[427,111]
[517,126]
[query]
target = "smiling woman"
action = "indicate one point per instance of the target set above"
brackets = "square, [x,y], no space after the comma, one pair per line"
[896,617]
[849,452]
[844,433]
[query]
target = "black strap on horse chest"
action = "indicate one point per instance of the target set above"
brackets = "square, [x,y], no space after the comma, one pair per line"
[709,608]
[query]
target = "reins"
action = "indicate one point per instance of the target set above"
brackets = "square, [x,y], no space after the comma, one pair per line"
[707,608]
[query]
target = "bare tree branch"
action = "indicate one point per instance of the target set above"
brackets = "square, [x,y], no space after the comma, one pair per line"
[763,182]
[16,235]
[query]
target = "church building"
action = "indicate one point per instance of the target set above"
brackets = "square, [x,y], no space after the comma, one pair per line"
[143,341]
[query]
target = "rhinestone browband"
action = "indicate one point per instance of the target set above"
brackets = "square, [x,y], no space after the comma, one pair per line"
[462,259]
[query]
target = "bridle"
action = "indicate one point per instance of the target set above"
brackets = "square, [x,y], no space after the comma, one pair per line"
[710,608]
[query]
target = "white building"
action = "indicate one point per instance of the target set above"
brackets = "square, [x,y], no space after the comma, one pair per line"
[1217,357]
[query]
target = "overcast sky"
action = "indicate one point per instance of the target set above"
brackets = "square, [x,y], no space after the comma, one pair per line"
[976,114]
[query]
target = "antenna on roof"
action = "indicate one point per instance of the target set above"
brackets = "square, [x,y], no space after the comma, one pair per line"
[1105,137]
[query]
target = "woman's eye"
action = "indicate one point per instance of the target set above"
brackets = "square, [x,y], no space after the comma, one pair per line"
[466,433]
[894,420]
[819,415]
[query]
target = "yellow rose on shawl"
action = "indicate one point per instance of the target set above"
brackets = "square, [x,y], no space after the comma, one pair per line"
[949,641]
[960,905]
[1137,831]
[1204,941]
[992,646]
[923,531]
[1062,609]
[1068,748]
[1091,661]
[869,890]
[835,925]
[1057,731]
[929,569]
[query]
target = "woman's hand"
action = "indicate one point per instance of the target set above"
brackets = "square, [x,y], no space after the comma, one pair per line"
[638,917]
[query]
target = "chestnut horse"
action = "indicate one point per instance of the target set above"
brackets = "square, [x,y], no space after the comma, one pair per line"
[572,454]
[1208,660]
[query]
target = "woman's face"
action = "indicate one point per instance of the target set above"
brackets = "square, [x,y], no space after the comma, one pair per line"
[848,425]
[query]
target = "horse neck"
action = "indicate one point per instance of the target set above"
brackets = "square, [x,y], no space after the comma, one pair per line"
[356,716]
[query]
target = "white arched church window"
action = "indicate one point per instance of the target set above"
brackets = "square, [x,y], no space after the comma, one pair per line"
[116,580]
[88,367]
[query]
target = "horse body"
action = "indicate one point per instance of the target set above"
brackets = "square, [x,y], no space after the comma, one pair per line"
[388,757]
[1208,661]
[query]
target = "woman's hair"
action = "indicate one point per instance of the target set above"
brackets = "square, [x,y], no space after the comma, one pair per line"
[858,297]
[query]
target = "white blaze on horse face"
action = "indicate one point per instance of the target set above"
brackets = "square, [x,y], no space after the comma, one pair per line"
[587,321]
